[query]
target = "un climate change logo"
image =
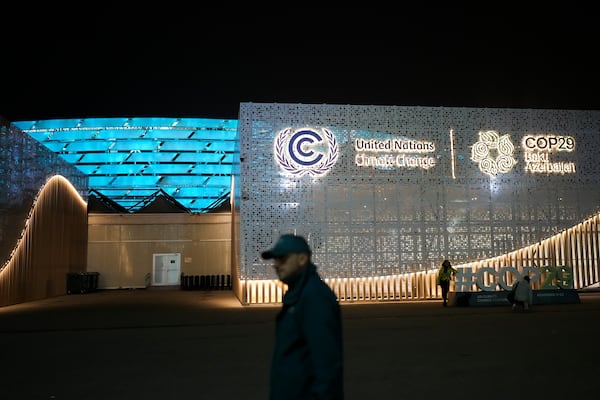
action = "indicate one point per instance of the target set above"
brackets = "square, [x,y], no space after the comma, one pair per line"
[493,153]
[306,151]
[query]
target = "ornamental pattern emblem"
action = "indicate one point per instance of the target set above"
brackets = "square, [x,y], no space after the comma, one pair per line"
[493,153]
[306,151]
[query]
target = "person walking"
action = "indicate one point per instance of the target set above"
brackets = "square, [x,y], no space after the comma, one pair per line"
[444,276]
[523,293]
[307,359]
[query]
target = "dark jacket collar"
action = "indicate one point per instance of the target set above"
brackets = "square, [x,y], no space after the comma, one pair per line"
[295,288]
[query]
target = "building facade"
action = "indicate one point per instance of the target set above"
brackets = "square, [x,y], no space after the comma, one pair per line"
[381,191]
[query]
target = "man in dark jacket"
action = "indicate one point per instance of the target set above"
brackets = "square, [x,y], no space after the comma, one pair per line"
[307,358]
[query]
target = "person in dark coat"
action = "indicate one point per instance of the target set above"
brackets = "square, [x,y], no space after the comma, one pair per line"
[307,361]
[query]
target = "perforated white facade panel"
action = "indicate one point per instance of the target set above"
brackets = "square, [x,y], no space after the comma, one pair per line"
[381,190]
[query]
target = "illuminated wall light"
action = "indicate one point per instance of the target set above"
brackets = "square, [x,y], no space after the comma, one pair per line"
[30,214]
[538,149]
[548,143]
[493,153]
[393,153]
[452,151]
[420,285]
[306,151]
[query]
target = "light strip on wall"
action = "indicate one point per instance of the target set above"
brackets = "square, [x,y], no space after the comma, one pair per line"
[452,151]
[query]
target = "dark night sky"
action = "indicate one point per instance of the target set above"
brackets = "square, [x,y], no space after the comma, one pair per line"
[181,62]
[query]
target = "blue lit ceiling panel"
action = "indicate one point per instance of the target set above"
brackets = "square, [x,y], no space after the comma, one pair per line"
[133,145]
[194,192]
[104,182]
[169,169]
[128,194]
[83,145]
[185,145]
[114,134]
[116,169]
[69,136]
[72,158]
[135,180]
[223,146]
[102,158]
[220,181]
[131,159]
[200,158]
[214,135]
[160,134]
[87,169]
[155,157]
[227,158]
[40,136]
[187,181]
[56,147]
[206,169]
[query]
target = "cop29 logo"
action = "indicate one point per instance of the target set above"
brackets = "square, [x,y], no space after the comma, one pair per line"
[493,153]
[306,151]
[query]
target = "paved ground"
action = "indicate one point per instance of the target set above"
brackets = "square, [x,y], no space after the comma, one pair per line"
[171,344]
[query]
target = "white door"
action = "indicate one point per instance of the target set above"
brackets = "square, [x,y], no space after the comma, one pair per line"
[166,269]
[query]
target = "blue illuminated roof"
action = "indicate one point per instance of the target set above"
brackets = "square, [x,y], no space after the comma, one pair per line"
[129,159]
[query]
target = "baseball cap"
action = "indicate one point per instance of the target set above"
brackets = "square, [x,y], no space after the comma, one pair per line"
[287,244]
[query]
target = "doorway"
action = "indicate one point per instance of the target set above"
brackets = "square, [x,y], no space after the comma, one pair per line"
[166,269]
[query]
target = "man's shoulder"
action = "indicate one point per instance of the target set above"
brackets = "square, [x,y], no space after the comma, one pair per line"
[317,286]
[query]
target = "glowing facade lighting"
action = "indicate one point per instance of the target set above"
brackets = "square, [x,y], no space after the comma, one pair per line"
[306,151]
[395,153]
[453,159]
[539,148]
[130,159]
[371,217]
[493,153]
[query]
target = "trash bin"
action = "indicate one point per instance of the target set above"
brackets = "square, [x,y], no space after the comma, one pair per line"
[82,282]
